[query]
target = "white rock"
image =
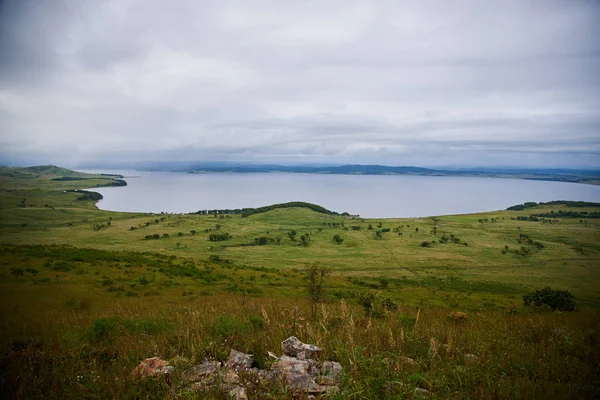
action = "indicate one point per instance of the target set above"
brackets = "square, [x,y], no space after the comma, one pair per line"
[295,348]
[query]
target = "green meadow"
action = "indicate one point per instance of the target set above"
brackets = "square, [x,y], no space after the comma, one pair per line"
[87,294]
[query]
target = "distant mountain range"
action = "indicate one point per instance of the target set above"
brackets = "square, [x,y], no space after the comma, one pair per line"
[562,175]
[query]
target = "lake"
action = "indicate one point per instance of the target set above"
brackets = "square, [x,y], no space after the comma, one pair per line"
[371,196]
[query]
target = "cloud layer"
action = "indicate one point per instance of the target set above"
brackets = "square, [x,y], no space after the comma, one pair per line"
[431,83]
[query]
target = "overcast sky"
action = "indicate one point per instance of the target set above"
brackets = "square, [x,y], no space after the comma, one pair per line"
[426,83]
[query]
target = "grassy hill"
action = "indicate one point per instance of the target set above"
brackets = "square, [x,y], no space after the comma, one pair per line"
[172,281]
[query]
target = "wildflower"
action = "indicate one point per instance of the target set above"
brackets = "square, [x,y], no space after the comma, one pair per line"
[344,307]
[391,340]
[324,313]
[433,347]
[264,314]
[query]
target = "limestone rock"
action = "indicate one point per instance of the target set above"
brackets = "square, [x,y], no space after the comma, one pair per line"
[239,361]
[298,369]
[302,376]
[238,393]
[202,374]
[231,378]
[293,366]
[152,367]
[265,377]
[293,347]
[331,373]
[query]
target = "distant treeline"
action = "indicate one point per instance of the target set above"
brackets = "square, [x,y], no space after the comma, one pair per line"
[532,204]
[567,214]
[87,195]
[71,178]
[114,182]
[246,212]
[108,182]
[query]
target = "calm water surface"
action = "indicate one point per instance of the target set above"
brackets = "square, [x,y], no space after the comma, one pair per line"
[371,196]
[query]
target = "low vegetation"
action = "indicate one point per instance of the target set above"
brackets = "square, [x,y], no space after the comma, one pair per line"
[85,296]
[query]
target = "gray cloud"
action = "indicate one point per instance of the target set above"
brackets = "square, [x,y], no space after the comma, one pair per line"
[423,83]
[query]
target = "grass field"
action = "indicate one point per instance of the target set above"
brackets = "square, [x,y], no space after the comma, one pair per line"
[88,290]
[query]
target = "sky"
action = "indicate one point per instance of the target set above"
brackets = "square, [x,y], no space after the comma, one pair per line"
[424,83]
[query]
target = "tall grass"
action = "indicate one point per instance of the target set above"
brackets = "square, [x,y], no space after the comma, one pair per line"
[90,354]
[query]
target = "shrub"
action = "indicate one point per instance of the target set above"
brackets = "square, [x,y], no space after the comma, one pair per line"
[218,237]
[556,299]
[375,304]
[338,239]
[263,240]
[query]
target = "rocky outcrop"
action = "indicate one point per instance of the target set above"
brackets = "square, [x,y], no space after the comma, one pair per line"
[203,374]
[295,348]
[239,361]
[297,371]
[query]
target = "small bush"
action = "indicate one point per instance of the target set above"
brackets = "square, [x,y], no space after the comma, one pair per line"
[376,304]
[555,299]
